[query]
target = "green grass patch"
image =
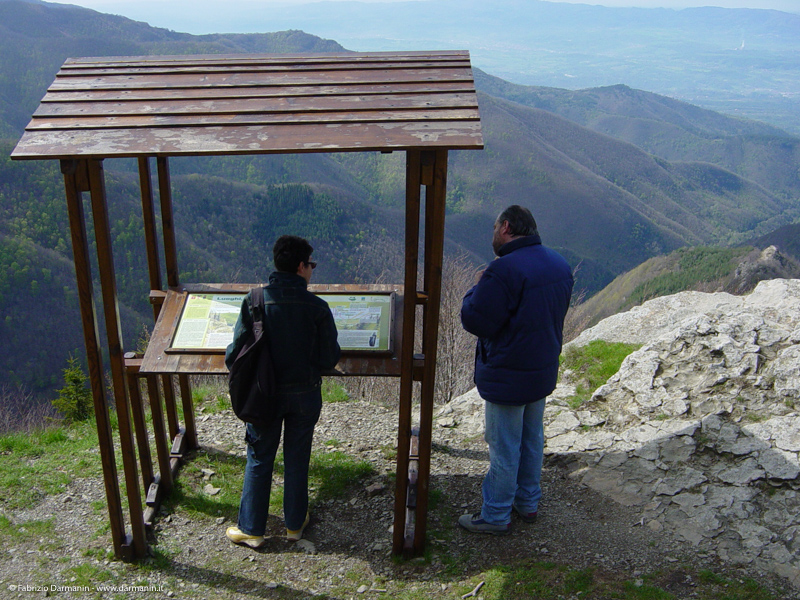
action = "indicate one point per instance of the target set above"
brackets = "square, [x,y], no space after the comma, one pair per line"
[718,587]
[32,464]
[88,575]
[211,396]
[637,590]
[333,392]
[541,580]
[190,487]
[550,581]
[333,473]
[592,366]
[29,530]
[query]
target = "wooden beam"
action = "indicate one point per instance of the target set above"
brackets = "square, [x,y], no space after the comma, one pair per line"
[169,405]
[150,232]
[167,223]
[435,199]
[132,365]
[188,412]
[413,194]
[108,282]
[160,434]
[75,181]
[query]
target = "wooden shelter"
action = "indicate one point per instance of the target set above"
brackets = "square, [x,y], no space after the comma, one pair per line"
[421,103]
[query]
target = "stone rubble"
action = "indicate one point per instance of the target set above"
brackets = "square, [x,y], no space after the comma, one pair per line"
[699,430]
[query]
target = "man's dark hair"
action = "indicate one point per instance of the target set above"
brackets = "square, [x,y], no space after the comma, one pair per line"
[289,251]
[520,220]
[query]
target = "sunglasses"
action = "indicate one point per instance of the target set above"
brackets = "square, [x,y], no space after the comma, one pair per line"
[311,264]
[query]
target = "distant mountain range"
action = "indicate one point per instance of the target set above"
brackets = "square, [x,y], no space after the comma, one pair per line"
[741,62]
[614,176]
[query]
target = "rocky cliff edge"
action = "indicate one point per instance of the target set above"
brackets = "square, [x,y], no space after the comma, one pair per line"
[699,430]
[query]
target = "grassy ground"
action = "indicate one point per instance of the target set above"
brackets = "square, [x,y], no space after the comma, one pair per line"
[40,463]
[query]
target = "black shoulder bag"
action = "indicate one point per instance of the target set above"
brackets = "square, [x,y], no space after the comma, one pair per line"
[251,380]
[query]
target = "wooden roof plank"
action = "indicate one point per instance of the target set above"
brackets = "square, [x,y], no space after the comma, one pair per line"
[178,106]
[256,68]
[251,79]
[266,91]
[138,121]
[190,141]
[233,59]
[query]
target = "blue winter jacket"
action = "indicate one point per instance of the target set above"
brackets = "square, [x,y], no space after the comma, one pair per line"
[517,310]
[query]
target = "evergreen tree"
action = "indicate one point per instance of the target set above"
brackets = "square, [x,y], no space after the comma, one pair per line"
[74,399]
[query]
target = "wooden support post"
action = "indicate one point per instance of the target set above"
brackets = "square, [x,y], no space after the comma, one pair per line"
[76,180]
[170,406]
[428,163]
[150,232]
[188,412]
[167,223]
[102,228]
[173,280]
[407,349]
[160,433]
[435,199]
[132,364]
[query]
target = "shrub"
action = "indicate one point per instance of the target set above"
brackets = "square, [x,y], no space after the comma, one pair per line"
[74,399]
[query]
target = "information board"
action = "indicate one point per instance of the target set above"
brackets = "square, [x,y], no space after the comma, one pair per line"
[363,321]
[207,322]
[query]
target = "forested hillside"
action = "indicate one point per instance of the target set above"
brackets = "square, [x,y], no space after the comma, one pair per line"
[735,270]
[591,165]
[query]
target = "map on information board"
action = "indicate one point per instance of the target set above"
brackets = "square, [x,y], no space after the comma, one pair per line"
[207,321]
[363,321]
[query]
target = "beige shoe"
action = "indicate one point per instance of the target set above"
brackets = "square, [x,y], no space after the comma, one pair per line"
[238,537]
[295,535]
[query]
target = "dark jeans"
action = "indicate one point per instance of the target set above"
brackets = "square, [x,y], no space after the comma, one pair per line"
[296,414]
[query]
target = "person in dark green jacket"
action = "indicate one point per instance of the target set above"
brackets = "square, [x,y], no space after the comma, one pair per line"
[303,343]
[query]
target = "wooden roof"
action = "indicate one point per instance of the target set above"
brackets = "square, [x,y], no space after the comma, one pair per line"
[252,104]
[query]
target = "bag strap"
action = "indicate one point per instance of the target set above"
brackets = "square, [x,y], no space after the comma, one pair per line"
[257,304]
[257,310]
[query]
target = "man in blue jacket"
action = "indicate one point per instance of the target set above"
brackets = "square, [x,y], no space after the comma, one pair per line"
[517,310]
[303,342]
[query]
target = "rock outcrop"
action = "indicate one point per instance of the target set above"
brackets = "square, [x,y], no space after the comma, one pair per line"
[700,428]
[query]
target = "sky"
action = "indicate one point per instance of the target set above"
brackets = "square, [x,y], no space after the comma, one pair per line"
[114,6]
[251,16]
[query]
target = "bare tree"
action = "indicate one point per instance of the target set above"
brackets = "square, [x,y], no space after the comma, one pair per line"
[21,411]
[577,318]
[380,260]
[456,350]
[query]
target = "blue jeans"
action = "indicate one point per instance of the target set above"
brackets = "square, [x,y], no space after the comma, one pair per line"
[296,414]
[515,435]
